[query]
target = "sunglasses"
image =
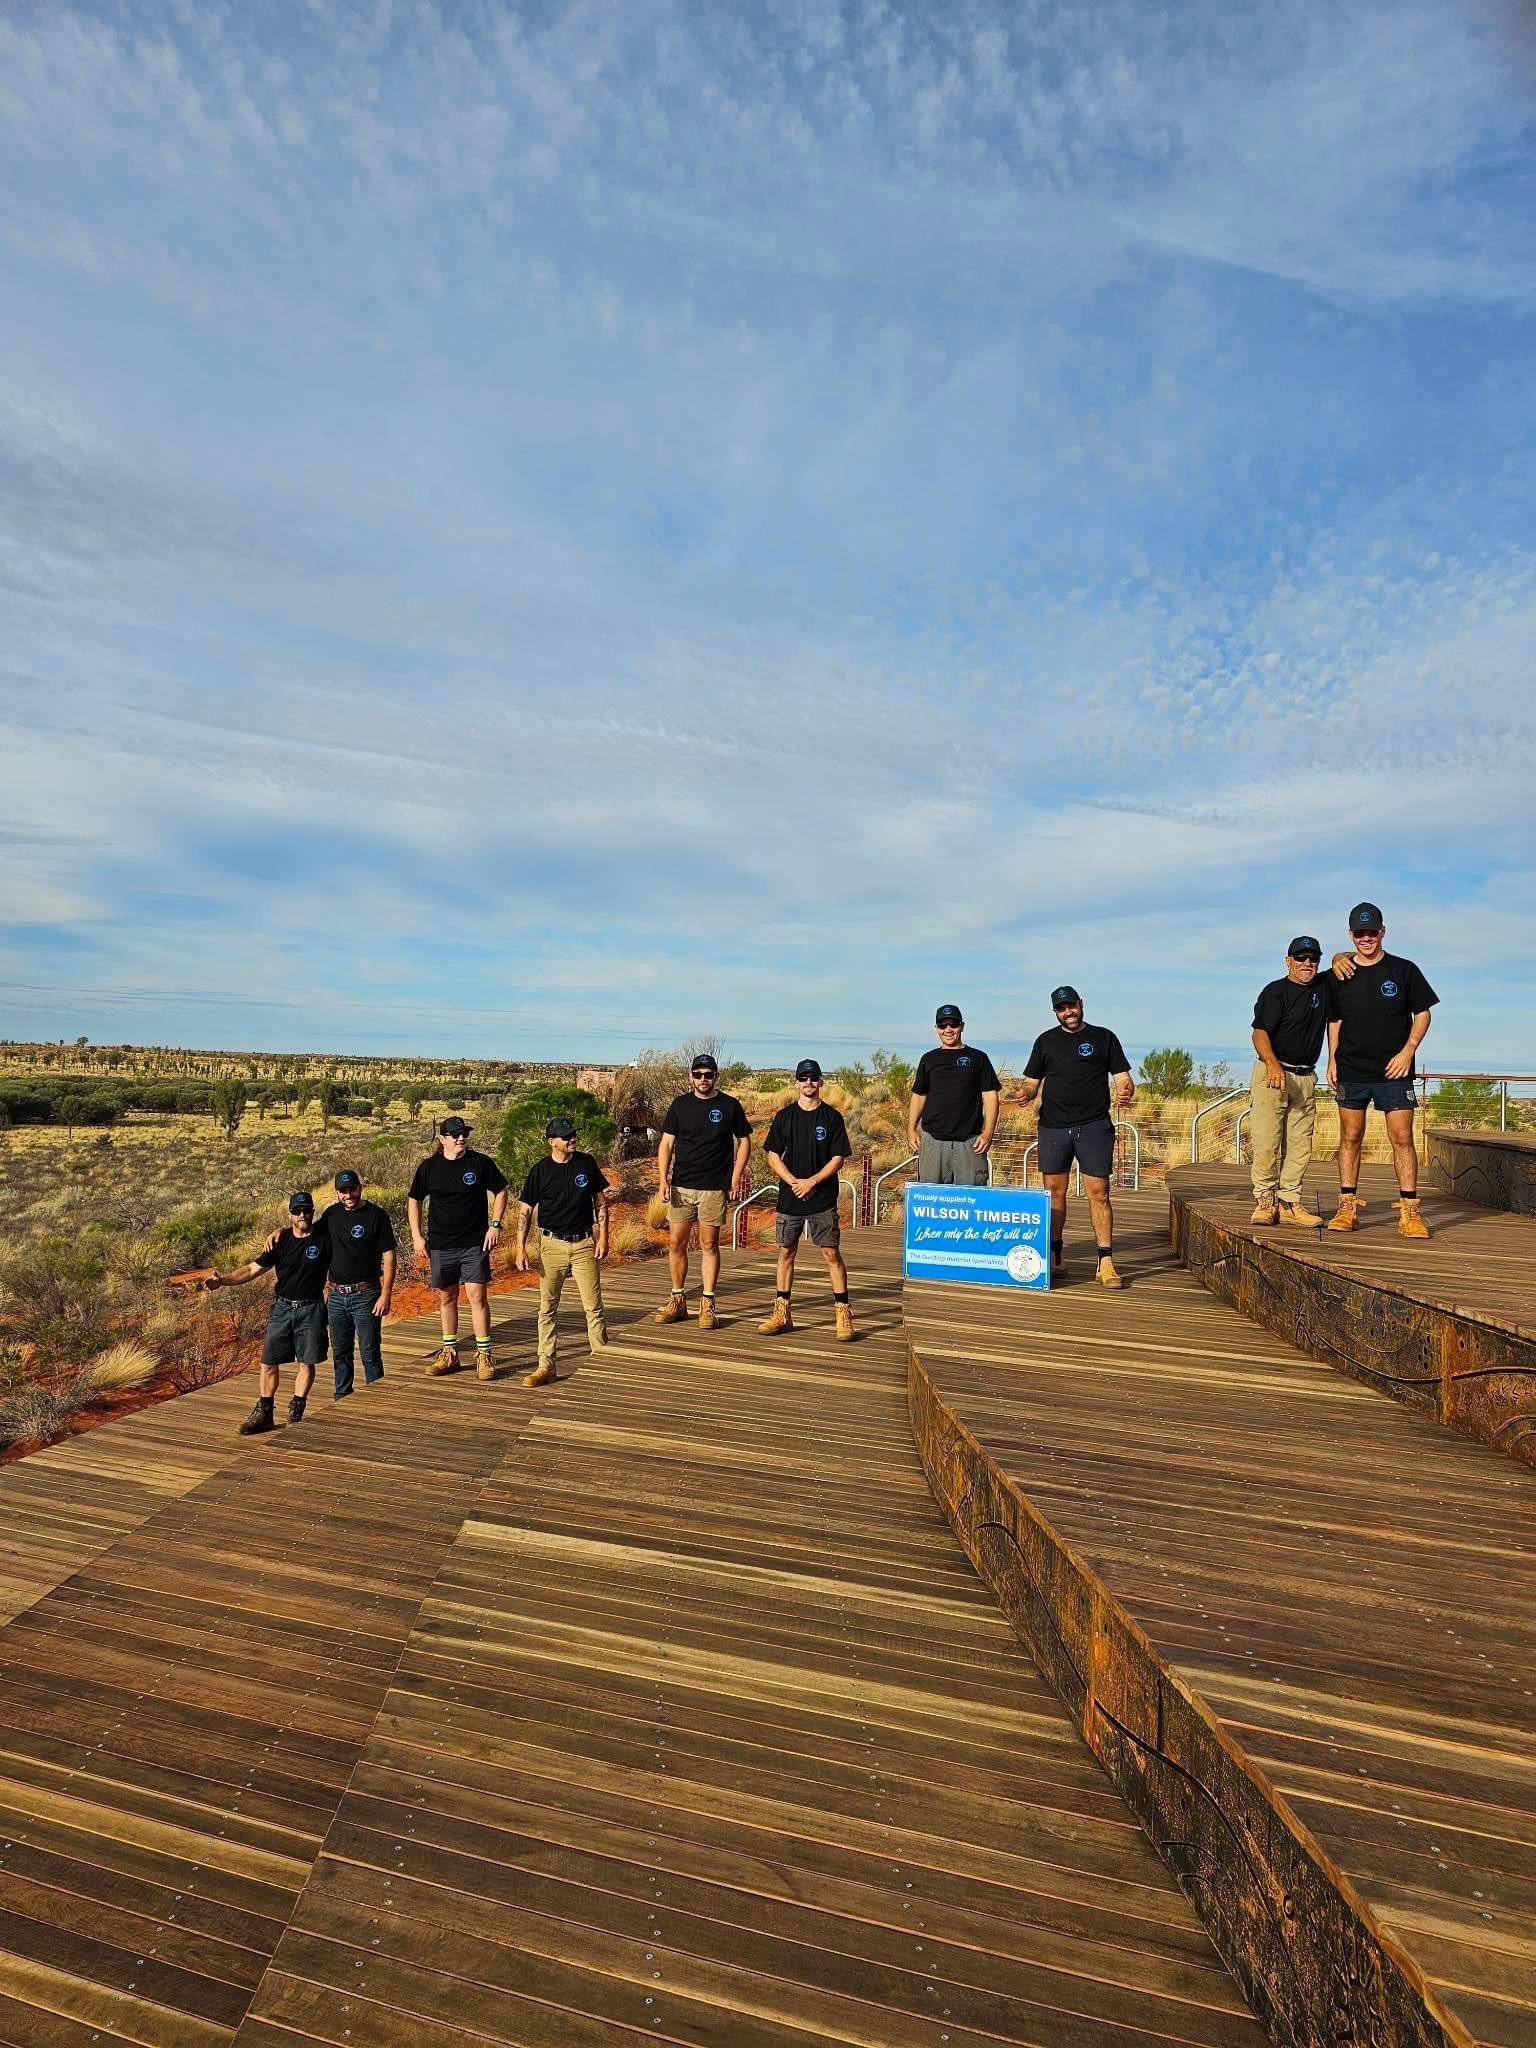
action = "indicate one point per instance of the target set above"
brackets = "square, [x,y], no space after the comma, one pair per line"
[702,1074]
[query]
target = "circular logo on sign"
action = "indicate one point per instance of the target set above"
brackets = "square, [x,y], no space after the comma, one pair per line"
[581,1180]
[1024,1263]
[821,1130]
[1085,1050]
[715,1115]
[357,1229]
[1389,988]
[311,1251]
[469,1178]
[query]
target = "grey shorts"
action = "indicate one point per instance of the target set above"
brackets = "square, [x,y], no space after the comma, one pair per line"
[460,1262]
[950,1162]
[822,1225]
[1092,1145]
[296,1333]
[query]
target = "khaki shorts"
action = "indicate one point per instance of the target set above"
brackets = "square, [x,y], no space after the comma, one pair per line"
[697,1205]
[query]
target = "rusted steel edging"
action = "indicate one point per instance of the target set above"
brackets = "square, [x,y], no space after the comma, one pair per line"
[1313,1959]
[1467,1372]
[1497,1171]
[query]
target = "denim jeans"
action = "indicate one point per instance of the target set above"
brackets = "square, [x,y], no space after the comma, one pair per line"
[350,1314]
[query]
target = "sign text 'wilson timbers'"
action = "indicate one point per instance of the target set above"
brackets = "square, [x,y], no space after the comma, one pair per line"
[978,1237]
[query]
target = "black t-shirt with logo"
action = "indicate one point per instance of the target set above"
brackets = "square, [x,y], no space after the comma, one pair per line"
[358,1238]
[457,1193]
[1376,1010]
[1075,1067]
[565,1196]
[302,1264]
[805,1139]
[706,1129]
[954,1080]
[1295,1014]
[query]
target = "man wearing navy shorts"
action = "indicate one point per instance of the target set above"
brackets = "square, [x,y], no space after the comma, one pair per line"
[1379,1005]
[465,1194]
[1085,1075]
[296,1333]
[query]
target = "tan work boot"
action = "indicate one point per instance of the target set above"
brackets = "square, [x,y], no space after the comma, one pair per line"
[843,1331]
[1299,1214]
[485,1365]
[706,1312]
[447,1360]
[1265,1210]
[1347,1215]
[1108,1277]
[778,1318]
[675,1311]
[1410,1218]
[542,1375]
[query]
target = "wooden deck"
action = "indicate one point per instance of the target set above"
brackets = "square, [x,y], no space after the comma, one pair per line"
[660,1704]
[1447,1326]
[1294,1619]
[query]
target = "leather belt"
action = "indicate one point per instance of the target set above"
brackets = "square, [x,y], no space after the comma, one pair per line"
[580,1238]
[1297,1070]
[351,1286]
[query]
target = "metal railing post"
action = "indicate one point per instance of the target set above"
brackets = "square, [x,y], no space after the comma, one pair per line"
[1221,1101]
[910,1160]
[1237,1137]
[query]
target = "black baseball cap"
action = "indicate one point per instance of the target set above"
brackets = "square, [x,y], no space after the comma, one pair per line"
[1304,949]
[1065,994]
[1366,917]
[948,1013]
[347,1180]
[808,1070]
[300,1203]
[454,1127]
[559,1127]
[705,1060]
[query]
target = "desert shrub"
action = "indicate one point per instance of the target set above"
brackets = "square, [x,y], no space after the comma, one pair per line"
[632,1240]
[122,1365]
[656,1211]
[1167,1070]
[216,1337]
[197,1236]
[227,1104]
[522,1131]
[1465,1105]
[294,1162]
[54,1295]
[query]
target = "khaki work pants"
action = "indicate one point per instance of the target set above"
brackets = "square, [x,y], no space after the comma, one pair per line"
[556,1260]
[1280,1122]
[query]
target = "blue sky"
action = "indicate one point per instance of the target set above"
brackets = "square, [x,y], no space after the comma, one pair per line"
[538,530]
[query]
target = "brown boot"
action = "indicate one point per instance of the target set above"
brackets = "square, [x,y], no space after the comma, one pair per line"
[447,1360]
[1107,1275]
[1410,1218]
[1265,1210]
[1299,1214]
[843,1331]
[485,1365]
[1347,1215]
[675,1311]
[706,1311]
[541,1376]
[778,1318]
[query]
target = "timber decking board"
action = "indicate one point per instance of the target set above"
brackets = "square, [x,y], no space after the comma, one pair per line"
[1344,1583]
[707,1732]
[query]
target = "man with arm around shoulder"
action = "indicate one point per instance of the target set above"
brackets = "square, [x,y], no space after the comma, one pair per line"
[1290,1022]
[1379,1005]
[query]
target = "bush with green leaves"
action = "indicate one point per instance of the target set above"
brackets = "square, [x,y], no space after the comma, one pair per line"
[198,1236]
[522,1141]
[1167,1070]
[1465,1105]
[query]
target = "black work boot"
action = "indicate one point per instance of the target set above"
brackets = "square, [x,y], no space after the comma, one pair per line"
[260,1418]
[296,1407]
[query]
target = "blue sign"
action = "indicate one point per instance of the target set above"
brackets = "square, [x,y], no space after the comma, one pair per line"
[978,1237]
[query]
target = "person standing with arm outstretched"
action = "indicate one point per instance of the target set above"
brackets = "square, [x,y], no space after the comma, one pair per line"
[1379,1005]
[296,1332]
[806,1145]
[465,1197]
[1086,1076]
[706,1142]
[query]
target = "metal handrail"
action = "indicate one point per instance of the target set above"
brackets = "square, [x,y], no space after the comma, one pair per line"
[1122,1125]
[1237,1135]
[737,1240]
[910,1160]
[1077,1171]
[846,1180]
[1221,1101]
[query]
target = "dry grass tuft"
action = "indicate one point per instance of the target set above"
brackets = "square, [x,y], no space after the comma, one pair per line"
[633,1240]
[656,1211]
[122,1365]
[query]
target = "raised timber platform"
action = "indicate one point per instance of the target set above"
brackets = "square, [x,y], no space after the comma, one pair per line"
[1293,1619]
[660,1705]
[1494,1169]
[1447,1326]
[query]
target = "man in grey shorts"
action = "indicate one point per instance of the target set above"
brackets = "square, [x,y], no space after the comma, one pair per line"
[296,1328]
[953,1111]
[806,1145]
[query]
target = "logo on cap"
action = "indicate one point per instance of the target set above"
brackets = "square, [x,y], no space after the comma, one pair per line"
[1365,917]
[948,1013]
[1063,995]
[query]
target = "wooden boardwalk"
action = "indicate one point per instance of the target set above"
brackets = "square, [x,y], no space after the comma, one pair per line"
[1295,1619]
[660,1704]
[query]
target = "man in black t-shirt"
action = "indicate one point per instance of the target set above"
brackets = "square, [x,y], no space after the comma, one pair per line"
[565,1191]
[1290,1022]
[300,1258]
[363,1256]
[806,1145]
[1378,1013]
[1086,1076]
[953,1110]
[466,1197]
[706,1142]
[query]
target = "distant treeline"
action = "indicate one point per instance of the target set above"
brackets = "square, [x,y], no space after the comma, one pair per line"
[99,1103]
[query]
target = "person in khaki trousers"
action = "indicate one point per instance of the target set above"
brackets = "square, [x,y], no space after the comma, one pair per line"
[1290,1022]
[566,1193]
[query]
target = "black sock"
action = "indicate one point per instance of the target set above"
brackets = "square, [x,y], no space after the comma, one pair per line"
[782,1293]
[1408,1194]
[843,1297]
[1105,1251]
[1348,1191]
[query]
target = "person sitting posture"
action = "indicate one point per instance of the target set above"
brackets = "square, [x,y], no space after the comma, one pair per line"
[566,1193]
[300,1257]
[1084,1069]
[806,1145]
[1290,1022]
[706,1142]
[953,1110]
[1379,1005]
[459,1187]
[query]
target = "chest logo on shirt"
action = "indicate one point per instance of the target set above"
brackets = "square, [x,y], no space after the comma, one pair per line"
[1085,1050]
[821,1131]
[1389,988]
[311,1251]
[470,1179]
[964,1060]
[1316,1000]
[581,1180]
[716,1115]
[357,1229]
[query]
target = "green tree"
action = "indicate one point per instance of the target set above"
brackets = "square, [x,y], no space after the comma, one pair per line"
[227,1101]
[1167,1070]
[1465,1105]
[522,1131]
[893,1073]
[332,1098]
